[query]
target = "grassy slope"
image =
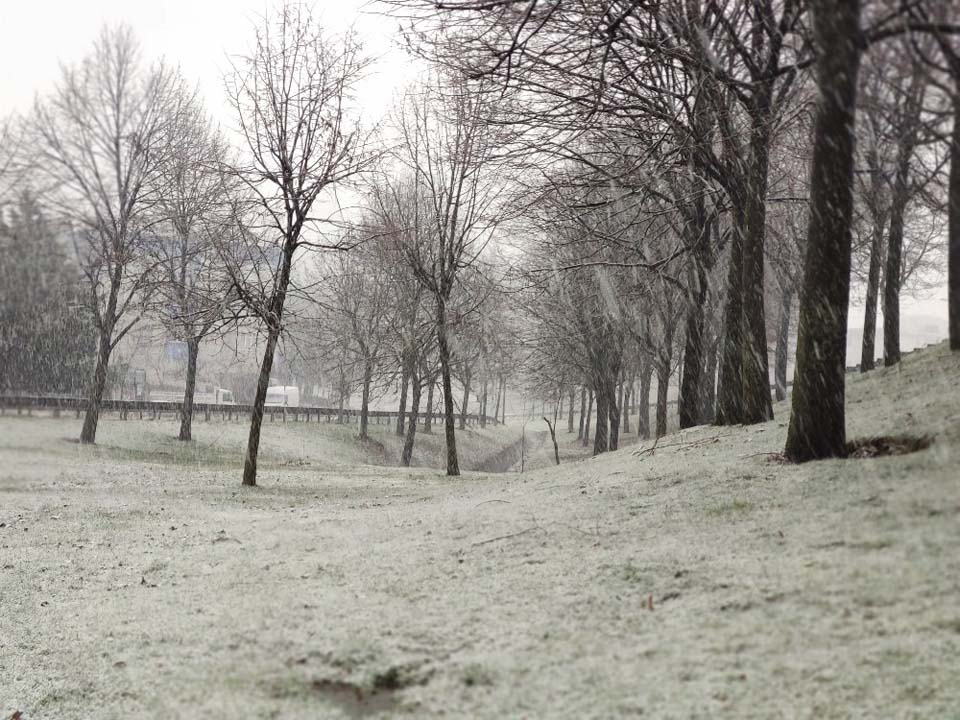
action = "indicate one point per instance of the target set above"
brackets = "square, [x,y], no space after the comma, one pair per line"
[221,444]
[134,589]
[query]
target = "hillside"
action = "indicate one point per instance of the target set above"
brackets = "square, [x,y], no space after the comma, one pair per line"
[221,444]
[702,578]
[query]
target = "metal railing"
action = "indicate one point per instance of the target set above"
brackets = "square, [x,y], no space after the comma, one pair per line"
[142,409]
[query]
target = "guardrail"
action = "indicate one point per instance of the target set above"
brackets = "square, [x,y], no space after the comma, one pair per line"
[154,410]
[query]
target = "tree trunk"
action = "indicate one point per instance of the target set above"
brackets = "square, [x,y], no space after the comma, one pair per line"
[256,419]
[415,388]
[428,418]
[877,208]
[893,270]
[757,406]
[483,404]
[613,413]
[496,407]
[730,386]
[912,109]
[643,401]
[402,409]
[710,382]
[698,230]
[601,438]
[91,419]
[953,231]
[817,422]
[583,411]
[453,465]
[466,399]
[625,409]
[868,348]
[663,386]
[186,411]
[621,396]
[690,401]
[586,427]
[553,436]
[572,397]
[783,346]
[503,407]
[365,399]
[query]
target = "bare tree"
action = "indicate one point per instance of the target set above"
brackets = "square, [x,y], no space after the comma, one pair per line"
[874,203]
[817,423]
[786,225]
[933,18]
[357,289]
[905,112]
[291,96]
[708,82]
[9,146]
[952,55]
[98,141]
[194,291]
[445,203]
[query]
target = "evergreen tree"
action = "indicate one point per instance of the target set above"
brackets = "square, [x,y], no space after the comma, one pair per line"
[46,338]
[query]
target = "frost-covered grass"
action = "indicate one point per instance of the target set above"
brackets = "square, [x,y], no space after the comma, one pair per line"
[222,444]
[702,579]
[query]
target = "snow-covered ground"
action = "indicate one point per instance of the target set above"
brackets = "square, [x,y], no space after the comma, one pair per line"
[702,579]
[218,443]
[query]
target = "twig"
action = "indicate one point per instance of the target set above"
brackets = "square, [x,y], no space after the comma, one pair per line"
[695,443]
[552,487]
[650,449]
[490,501]
[506,537]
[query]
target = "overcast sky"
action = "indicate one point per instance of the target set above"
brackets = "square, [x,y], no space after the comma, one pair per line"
[198,35]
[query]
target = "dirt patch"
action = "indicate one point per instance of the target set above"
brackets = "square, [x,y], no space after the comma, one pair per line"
[376,695]
[887,445]
[356,701]
[507,458]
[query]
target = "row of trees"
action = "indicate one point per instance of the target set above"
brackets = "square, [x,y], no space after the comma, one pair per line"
[691,152]
[169,219]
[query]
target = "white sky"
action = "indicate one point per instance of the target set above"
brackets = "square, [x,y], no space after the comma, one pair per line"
[198,35]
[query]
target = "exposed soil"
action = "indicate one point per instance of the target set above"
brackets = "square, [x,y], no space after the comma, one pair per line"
[887,445]
[510,458]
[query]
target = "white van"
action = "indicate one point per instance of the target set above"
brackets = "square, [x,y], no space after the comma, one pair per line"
[283,396]
[222,396]
[219,396]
